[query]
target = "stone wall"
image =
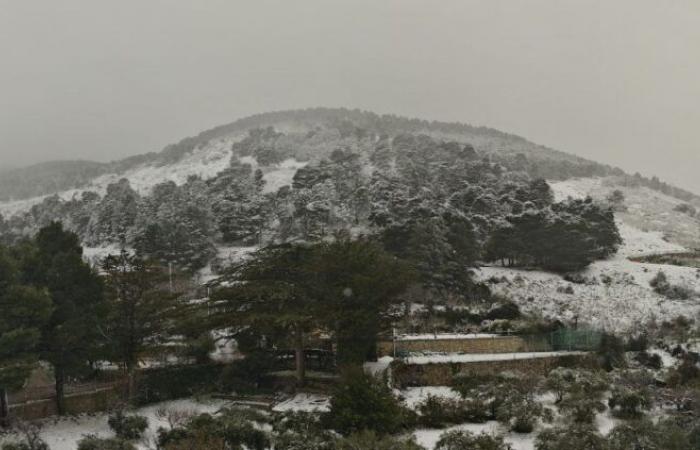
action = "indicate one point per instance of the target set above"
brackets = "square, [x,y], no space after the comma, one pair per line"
[496,344]
[443,374]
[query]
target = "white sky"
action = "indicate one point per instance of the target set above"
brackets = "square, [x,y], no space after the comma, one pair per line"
[616,81]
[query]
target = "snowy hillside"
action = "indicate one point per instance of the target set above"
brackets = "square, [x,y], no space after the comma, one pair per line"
[205,162]
[616,294]
[644,208]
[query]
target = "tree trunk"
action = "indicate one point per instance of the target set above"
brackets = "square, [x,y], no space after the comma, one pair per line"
[300,357]
[60,378]
[4,409]
[130,383]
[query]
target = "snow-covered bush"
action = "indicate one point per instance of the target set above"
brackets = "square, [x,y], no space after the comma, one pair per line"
[649,360]
[31,440]
[370,440]
[578,392]
[645,434]
[363,402]
[629,403]
[460,440]
[230,429]
[663,287]
[92,442]
[127,427]
[301,431]
[578,436]
[508,397]
[439,412]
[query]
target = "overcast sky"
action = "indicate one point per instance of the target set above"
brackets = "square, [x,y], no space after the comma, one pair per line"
[615,81]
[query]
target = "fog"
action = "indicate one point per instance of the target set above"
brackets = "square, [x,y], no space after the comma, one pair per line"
[617,82]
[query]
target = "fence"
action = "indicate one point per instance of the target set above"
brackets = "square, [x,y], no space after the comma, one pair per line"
[38,393]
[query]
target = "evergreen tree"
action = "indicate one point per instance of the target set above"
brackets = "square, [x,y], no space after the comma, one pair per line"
[68,339]
[356,283]
[139,310]
[24,311]
[271,295]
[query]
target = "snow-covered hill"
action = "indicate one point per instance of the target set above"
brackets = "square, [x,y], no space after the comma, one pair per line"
[205,162]
[616,294]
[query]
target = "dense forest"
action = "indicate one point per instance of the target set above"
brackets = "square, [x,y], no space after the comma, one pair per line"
[438,202]
[540,161]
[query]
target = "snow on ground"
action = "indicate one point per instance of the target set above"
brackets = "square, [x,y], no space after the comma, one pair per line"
[643,243]
[304,402]
[428,438]
[94,255]
[645,208]
[412,397]
[574,188]
[64,433]
[617,296]
[378,367]
[281,174]
[480,357]
[667,360]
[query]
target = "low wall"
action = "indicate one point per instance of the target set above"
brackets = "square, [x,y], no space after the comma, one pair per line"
[495,344]
[443,373]
[88,402]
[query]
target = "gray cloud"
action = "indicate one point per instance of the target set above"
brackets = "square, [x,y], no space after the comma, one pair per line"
[613,81]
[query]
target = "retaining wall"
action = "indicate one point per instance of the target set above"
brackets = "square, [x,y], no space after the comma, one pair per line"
[444,373]
[495,344]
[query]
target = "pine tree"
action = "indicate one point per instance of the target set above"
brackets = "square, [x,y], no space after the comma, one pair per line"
[68,339]
[139,310]
[24,311]
[272,296]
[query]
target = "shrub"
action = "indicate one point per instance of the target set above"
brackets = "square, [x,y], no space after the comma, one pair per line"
[644,434]
[363,402]
[639,343]
[438,412]
[92,442]
[127,427]
[628,403]
[505,311]
[233,429]
[462,440]
[368,440]
[663,287]
[31,441]
[578,392]
[507,397]
[570,437]
[686,372]
[650,360]
[612,352]
[301,431]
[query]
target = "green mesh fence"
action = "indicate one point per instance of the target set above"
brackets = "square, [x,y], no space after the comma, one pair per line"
[575,339]
[565,339]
